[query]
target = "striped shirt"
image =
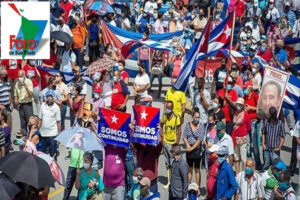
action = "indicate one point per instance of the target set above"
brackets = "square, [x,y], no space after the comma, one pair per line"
[2,139]
[193,136]
[291,18]
[4,93]
[273,134]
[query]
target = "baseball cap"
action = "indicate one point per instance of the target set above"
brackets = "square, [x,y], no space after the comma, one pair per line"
[76,69]
[223,150]
[148,98]
[240,101]
[271,1]
[278,164]
[50,93]
[248,84]
[220,125]
[145,181]
[214,148]
[193,186]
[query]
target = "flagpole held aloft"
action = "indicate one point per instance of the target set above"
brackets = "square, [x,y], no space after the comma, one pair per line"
[208,29]
[231,40]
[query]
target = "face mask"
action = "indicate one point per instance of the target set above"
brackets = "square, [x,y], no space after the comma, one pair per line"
[221,159]
[283,186]
[209,124]
[277,174]
[32,63]
[248,171]
[271,6]
[114,79]
[168,111]
[254,23]
[238,107]
[263,48]
[155,15]
[193,16]
[86,165]
[229,87]
[192,196]
[287,8]
[248,35]
[246,92]
[196,120]
[148,103]
[144,15]
[217,17]
[220,134]
[21,79]
[89,191]
[213,157]
[96,95]
[135,179]
[20,141]
[214,105]
[254,70]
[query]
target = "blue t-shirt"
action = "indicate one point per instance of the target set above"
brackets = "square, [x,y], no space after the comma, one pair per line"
[94,30]
[84,179]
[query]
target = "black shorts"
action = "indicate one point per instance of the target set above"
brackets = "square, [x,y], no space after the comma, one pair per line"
[193,163]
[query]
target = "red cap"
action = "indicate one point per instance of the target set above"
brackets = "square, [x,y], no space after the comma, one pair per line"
[97,88]
[247,84]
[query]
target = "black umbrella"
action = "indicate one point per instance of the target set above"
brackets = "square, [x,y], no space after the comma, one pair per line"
[61,36]
[8,189]
[27,168]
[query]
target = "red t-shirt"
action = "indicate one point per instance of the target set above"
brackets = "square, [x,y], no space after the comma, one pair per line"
[251,100]
[67,7]
[118,97]
[30,72]
[233,96]
[124,75]
[12,67]
[267,55]
[244,128]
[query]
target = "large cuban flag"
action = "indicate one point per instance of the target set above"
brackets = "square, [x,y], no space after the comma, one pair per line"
[292,45]
[113,127]
[291,99]
[147,119]
[218,39]
[118,37]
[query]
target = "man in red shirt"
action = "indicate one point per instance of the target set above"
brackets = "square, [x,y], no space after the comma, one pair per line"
[67,6]
[32,73]
[230,96]
[120,94]
[265,52]
[251,99]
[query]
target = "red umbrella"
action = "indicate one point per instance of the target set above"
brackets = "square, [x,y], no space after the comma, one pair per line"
[100,65]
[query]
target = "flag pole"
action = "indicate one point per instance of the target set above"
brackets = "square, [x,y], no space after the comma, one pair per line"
[231,39]
[204,69]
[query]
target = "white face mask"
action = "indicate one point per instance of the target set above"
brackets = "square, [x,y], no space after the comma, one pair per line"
[135,179]
[271,6]
[96,95]
[21,79]
[86,165]
[254,70]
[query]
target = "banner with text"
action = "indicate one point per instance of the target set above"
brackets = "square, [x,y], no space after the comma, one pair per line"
[145,130]
[113,127]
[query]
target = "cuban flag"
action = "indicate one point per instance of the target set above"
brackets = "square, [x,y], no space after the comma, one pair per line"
[113,127]
[145,130]
[46,72]
[291,99]
[130,46]
[292,45]
[218,39]
[118,37]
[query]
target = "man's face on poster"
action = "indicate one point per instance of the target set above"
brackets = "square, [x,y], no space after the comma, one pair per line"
[270,97]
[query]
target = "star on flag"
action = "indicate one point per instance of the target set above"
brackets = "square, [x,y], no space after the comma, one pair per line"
[144,115]
[114,119]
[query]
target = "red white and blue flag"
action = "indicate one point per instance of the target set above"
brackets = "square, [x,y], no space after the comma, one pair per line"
[145,130]
[113,127]
[218,38]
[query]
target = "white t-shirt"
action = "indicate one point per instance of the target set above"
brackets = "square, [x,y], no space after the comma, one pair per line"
[127,23]
[150,6]
[49,115]
[255,31]
[65,29]
[66,61]
[273,15]
[140,81]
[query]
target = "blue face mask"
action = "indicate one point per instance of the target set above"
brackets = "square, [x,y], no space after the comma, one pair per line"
[192,196]
[246,92]
[263,48]
[221,159]
[283,186]
[248,171]
[229,87]
[20,141]
[287,8]
[168,111]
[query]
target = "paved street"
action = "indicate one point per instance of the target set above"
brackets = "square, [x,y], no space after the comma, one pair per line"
[57,193]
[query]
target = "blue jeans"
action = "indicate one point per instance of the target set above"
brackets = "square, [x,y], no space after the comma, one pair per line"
[63,115]
[71,176]
[72,117]
[49,142]
[154,187]
[129,168]
[269,156]
[254,142]
[79,57]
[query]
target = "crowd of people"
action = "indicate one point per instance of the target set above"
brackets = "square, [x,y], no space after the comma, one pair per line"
[225,135]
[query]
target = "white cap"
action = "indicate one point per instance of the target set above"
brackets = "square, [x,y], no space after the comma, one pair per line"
[193,186]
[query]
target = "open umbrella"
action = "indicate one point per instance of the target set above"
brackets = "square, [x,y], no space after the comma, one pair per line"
[57,172]
[27,168]
[99,65]
[80,138]
[102,7]
[61,36]
[8,189]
